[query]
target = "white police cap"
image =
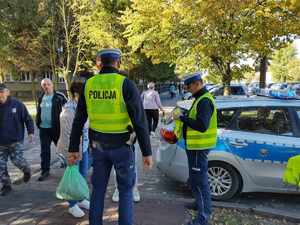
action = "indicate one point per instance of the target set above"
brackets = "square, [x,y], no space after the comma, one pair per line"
[109,53]
[188,79]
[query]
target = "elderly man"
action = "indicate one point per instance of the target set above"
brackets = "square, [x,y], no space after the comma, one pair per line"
[13,116]
[49,108]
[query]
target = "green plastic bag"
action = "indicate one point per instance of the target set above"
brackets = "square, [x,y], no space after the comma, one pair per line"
[72,185]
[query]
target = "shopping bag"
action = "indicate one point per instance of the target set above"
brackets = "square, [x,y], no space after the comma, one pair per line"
[72,185]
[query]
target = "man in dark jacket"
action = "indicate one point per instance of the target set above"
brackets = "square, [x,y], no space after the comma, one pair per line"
[13,116]
[47,120]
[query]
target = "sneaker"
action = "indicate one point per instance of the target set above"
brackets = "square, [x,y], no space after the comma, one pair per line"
[76,212]
[152,134]
[5,190]
[27,176]
[136,195]
[191,206]
[85,204]
[115,197]
[44,176]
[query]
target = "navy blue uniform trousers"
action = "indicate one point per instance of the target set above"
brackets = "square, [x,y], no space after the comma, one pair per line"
[123,160]
[198,178]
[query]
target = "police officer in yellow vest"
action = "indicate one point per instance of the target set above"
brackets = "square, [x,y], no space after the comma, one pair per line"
[114,108]
[199,130]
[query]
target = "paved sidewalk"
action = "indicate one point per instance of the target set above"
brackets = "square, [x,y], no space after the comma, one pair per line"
[35,203]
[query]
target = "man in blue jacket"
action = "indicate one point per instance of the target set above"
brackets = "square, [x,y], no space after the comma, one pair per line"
[13,116]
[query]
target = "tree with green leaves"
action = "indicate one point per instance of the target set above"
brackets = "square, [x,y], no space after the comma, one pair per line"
[188,34]
[272,25]
[284,66]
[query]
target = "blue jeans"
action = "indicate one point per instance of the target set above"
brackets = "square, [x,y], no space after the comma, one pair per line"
[198,178]
[136,168]
[123,160]
[83,169]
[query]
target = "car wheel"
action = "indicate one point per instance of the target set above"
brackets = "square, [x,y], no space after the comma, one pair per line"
[224,181]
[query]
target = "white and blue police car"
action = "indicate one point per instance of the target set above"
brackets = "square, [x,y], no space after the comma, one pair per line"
[256,137]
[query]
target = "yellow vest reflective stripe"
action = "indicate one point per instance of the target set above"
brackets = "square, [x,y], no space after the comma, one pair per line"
[196,140]
[105,104]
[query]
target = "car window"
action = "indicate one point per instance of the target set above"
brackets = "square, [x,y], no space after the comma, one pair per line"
[238,90]
[265,121]
[225,117]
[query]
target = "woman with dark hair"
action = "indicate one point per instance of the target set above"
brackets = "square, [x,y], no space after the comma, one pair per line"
[66,120]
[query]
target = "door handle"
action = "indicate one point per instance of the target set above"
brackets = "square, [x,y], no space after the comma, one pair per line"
[239,144]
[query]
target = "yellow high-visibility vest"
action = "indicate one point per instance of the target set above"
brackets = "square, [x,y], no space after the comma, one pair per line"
[196,140]
[106,107]
[292,171]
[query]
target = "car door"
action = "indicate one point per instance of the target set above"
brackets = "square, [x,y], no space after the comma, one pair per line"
[262,139]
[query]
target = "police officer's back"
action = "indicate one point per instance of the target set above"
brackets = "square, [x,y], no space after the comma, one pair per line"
[114,108]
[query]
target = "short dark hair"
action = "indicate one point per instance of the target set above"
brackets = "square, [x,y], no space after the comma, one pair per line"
[108,61]
[76,87]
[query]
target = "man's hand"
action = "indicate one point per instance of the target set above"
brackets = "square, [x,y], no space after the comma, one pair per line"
[30,138]
[176,114]
[73,157]
[148,162]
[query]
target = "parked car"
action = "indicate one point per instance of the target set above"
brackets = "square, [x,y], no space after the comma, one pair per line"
[256,137]
[296,88]
[236,89]
[253,88]
[278,86]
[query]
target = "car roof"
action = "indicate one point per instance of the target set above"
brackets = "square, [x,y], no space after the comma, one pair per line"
[224,102]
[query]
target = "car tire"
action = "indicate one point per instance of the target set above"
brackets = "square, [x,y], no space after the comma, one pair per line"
[226,187]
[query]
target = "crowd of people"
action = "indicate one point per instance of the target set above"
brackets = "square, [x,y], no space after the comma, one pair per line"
[97,127]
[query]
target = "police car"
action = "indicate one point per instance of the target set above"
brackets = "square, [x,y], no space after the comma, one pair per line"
[256,137]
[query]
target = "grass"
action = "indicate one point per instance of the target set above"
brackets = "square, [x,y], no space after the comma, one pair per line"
[236,217]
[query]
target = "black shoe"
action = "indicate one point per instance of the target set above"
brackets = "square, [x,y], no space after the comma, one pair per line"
[27,176]
[5,190]
[191,206]
[44,176]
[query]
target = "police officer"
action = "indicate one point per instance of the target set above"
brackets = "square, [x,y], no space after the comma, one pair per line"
[114,108]
[199,130]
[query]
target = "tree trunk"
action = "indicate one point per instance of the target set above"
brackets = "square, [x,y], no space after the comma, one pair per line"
[67,83]
[226,79]
[33,91]
[263,67]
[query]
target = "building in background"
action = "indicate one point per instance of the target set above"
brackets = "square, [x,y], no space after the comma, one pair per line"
[24,85]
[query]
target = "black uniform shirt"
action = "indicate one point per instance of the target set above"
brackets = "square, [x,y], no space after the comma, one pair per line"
[136,113]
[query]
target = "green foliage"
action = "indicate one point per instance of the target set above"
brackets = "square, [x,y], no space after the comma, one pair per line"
[282,65]
[294,69]
[157,37]
[146,70]
[215,35]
